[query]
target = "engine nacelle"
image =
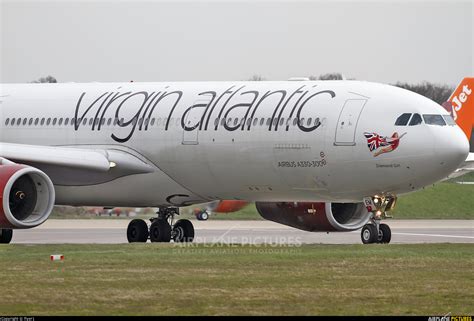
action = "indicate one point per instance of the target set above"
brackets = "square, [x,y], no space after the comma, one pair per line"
[312,217]
[26,196]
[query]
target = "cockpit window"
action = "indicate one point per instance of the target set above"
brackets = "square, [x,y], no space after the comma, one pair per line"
[434,120]
[403,120]
[415,120]
[449,120]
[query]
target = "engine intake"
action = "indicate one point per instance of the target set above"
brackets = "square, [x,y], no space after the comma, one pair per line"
[313,217]
[26,196]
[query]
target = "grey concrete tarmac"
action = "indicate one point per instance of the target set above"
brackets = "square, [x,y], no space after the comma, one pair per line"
[110,231]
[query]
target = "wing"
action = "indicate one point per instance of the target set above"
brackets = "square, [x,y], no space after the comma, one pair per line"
[76,166]
[466,167]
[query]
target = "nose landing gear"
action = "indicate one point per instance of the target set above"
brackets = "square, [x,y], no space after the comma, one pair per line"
[162,228]
[375,231]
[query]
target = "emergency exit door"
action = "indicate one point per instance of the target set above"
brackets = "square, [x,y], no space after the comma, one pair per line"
[347,122]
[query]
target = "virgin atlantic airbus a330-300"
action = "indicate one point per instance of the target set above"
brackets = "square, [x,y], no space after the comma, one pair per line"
[314,155]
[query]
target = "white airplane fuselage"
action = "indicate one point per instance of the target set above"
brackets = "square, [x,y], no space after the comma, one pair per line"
[254,141]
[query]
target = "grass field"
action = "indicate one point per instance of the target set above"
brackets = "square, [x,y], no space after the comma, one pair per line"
[163,279]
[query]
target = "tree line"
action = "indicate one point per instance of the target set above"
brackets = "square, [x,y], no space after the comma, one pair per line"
[436,92]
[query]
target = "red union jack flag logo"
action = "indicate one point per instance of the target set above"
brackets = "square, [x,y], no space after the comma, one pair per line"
[382,144]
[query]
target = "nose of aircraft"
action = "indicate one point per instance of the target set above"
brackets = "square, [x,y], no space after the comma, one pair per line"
[452,148]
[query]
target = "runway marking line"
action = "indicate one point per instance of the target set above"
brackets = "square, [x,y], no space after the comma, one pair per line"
[438,235]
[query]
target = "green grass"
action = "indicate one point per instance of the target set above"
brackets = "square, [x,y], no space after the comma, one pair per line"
[441,201]
[164,279]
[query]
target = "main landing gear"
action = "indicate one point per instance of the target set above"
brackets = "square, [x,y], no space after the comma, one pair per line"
[375,231]
[6,235]
[162,228]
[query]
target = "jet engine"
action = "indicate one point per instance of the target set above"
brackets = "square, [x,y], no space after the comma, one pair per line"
[26,196]
[316,217]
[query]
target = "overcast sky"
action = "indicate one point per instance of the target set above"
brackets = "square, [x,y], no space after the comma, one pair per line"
[383,41]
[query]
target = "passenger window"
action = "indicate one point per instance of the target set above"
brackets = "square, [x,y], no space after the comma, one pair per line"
[282,120]
[403,120]
[48,121]
[255,122]
[262,120]
[42,121]
[7,121]
[54,121]
[415,120]
[60,121]
[109,121]
[295,121]
[36,121]
[66,122]
[24,121]
[18,121]
[434,120]
[13,122]
[449,120]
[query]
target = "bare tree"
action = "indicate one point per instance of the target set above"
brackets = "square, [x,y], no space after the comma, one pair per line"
[47,79]
[328,76]
[436,92]
[257,78]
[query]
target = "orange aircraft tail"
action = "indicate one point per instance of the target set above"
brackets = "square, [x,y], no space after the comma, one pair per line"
[461,106]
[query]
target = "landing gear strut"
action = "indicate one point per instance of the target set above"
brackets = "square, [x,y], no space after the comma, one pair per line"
[375,231]
[162,228]
[6,236]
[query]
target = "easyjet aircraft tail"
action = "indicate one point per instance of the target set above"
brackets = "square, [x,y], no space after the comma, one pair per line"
[461,107]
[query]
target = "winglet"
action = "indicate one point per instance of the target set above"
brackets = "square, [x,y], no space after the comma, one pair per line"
[461,106]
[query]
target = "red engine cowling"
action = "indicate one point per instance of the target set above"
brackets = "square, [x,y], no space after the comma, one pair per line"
[313,217]
[229,206]
[26,196]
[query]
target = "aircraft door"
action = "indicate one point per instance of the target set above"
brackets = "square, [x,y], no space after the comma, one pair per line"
[347,122]
[192,122]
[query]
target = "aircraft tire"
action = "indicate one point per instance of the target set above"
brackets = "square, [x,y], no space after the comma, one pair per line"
[368,234]
[160,231]
[6,236]
[137,231]
[183,231]
[204,216]
[385,234]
